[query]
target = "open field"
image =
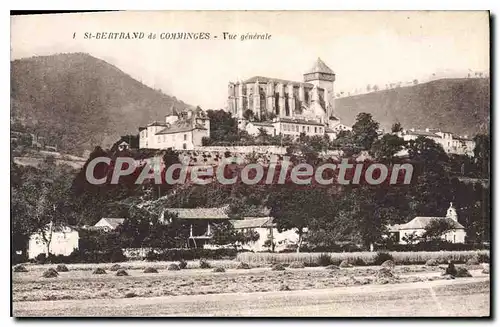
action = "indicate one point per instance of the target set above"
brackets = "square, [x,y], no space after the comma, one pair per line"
[80,284]
[459,297]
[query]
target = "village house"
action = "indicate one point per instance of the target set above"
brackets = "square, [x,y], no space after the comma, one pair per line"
[108,224]
[180,131]
[200,221]
[62,241]
[417,227]
[268,234]
[451,143]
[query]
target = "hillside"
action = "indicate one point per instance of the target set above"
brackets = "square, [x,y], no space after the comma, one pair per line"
[77,101]
[460,106]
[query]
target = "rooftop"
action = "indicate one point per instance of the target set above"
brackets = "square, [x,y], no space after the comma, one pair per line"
[264,222]
[113,222]
[300,121]
[265,80]
[320,67]
[200,213]
[422,222]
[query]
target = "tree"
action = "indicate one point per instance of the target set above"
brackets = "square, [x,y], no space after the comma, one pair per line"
[411,238]
[248,114]
[365,130]
[385,148]
[429,154]
[396,127]
[223,127]
[437,228]
[482,153]
[375,88]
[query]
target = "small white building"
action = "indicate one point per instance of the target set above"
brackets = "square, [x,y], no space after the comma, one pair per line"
[451,143]
[109,224]
[180,131]
[418,224]
[62,241]
[267,231]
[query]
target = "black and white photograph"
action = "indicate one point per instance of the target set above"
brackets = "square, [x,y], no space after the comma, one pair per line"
[250,164]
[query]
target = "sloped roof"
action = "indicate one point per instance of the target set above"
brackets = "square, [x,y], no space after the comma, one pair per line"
[253,223]
[267,124]
[200,213]
[265,80]
[299,121]
[423,133]
[113,222]
[422,222]
[180,126]
[320,67]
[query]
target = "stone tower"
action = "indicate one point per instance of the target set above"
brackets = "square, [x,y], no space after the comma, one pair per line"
[451,212]
[320,75]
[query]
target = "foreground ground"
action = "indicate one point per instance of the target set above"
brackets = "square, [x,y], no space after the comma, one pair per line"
[80,284]
[459,297]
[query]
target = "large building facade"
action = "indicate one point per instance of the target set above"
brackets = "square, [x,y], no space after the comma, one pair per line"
[180,131]
[307,105]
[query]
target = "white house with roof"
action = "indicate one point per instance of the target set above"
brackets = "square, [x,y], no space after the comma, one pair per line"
[268,232]
[62,240]
[451,143]
[109,224]
[417,227]
[200,221]
[180,131]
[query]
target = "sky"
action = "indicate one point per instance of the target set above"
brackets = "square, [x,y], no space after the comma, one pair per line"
[362,48]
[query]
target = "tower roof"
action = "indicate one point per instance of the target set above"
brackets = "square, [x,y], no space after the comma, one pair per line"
[320,67]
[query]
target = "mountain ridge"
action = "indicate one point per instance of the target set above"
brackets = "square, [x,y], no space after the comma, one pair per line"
[458,105]
[78,101]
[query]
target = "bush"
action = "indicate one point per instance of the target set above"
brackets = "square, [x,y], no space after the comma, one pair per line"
[62,268]
[204,264]
[219,269]
[384,273]
[431,263]
[474,261]
[297,265]
[483,257]
[486,268]
[183,264]
[115,267]
[150,270]
[121,272]
[450,270]
[381,257]
[130,294]
[462,272]
[50,273]
[173,266]
[278,267]
[324,260]
[20,268]
[345,264]
[243,265]
[41,258]
[99,271]
[388,264]
[359,262]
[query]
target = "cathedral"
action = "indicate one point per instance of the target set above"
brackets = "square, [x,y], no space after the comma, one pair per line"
[287,107]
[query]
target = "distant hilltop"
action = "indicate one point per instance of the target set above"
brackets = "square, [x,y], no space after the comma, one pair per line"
[458,105]
[77,101]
